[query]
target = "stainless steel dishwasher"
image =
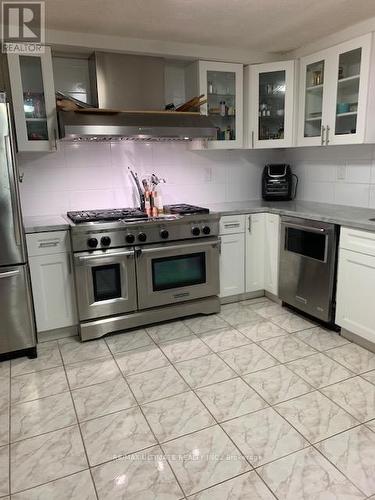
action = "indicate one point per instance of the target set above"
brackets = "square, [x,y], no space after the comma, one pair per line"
[307,280]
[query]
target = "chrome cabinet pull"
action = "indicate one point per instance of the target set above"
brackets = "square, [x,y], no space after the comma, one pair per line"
[252,139]
[322,135]
[327,135]
[232,224]
[48,244]
[249,224]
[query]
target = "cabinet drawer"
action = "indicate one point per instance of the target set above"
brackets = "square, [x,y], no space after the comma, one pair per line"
[358,241]
[48,243]
[231,224]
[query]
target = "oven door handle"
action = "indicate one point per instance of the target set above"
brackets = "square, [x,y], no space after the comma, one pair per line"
[141,250]
[320,230]
[83,258]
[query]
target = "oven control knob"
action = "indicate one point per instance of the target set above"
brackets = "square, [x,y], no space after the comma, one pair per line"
[130,238]
[105,241]
[196,231]
[164,234]
[142,237]
[92,242]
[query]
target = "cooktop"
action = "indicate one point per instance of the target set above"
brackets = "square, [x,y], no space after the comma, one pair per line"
[114,214]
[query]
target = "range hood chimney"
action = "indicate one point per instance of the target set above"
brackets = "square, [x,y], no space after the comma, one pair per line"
[129,92]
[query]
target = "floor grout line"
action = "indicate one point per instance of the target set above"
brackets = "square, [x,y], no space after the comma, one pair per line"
[80,430]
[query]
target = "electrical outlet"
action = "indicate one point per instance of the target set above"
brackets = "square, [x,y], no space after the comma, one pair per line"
[208,174]
[341,172]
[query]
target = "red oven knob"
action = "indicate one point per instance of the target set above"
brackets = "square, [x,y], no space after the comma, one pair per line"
[206,230]
[130,238]
[164,234]
[142,237]
[196,231]
[105,241]
[92,242]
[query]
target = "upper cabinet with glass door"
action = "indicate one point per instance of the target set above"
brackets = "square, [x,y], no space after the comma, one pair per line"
[333,94]
[222,85]
[33,98]
[271,105]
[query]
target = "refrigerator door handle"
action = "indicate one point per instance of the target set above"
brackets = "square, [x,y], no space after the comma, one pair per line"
[9,274]
[11,165]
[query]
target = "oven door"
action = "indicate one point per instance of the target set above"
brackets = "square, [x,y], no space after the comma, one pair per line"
[105,282]
[176,272]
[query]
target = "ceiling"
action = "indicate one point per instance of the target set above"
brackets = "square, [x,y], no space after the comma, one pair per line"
[266,25]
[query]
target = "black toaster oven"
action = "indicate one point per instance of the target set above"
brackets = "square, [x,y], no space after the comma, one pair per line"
[277,182]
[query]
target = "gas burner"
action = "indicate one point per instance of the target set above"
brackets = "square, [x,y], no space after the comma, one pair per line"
[108,215]
[185,209]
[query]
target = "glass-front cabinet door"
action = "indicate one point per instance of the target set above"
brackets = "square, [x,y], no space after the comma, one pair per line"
[272,89]
[313,99]
[222,85]
[350,66]
[33,98]
[333,94]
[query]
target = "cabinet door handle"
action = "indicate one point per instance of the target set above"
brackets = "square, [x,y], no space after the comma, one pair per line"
[53,140]
[48,244]
[252,139]
[249,224]
[322,135]
[327,135]
[232,224]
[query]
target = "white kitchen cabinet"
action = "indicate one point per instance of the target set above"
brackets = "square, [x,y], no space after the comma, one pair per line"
[232,255]
[356,282]
[33,99]
[52,280]
[249,260]
[232,264]
[336,101]
[269,105]
[254,252]
[271,252]
[222,84]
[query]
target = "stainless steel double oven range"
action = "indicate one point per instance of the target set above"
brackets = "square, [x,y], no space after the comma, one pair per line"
[132,271]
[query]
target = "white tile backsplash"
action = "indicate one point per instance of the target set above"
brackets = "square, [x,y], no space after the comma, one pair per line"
[87,176]
[344,175]
[84,176]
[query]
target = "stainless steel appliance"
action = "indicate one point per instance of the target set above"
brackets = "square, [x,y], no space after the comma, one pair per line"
[131,82]
[307,269]
[132,272]
[17,326]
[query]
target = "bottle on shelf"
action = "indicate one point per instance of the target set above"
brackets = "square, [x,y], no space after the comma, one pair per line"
[222,108]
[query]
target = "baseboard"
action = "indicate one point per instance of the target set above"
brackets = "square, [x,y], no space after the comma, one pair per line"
[58,333]
[353,337]
[241,296]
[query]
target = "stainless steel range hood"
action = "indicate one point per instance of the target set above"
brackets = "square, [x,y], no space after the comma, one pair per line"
[126,82]
[85,126]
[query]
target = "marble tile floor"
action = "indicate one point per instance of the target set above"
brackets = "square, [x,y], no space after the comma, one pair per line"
[254,403]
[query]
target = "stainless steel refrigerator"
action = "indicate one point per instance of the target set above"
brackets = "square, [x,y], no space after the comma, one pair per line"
[17,324]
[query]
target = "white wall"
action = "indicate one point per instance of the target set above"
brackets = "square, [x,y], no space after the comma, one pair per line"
[88,176]
[343,175]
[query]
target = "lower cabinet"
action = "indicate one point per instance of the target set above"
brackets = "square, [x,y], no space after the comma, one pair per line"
[356,283]
[52,280]
[232,261]
[271,253]
[255,245]
[249,260]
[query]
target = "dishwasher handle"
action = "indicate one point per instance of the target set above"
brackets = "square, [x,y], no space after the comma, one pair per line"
[311,229]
